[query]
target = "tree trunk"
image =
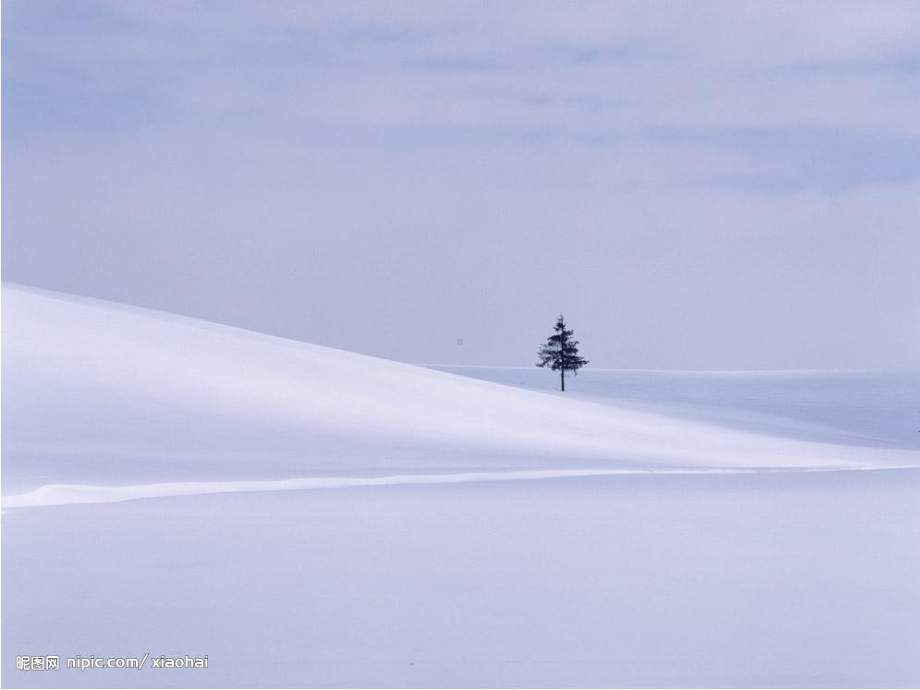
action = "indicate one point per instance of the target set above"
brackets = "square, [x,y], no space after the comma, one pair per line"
[562,359]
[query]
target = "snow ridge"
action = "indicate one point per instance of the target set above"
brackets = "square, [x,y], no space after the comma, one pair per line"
[67,494]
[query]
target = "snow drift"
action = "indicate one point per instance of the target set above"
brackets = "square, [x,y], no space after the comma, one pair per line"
[102,393]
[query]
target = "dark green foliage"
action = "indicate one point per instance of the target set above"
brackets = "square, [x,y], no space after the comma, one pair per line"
[560,352]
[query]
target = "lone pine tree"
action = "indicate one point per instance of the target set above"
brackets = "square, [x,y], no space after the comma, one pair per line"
[560,352]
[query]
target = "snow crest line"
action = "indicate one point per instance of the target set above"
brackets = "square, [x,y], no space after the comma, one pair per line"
[69,494]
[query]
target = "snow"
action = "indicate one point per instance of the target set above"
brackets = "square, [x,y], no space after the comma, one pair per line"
[867,408]
[63,494]
[312,517]
[103,394]
[764,580]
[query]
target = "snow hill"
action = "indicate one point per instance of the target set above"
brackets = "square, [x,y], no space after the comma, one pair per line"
[100,393]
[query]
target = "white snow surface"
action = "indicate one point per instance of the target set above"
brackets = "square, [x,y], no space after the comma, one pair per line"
[316,518]
[64,494]
[765,579]
[106,395]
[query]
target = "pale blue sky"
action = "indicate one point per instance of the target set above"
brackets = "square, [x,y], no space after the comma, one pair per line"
[696,185]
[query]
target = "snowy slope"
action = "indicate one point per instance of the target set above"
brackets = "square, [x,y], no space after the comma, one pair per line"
[759,580]
[845,407]
[101,393]
[413,545]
